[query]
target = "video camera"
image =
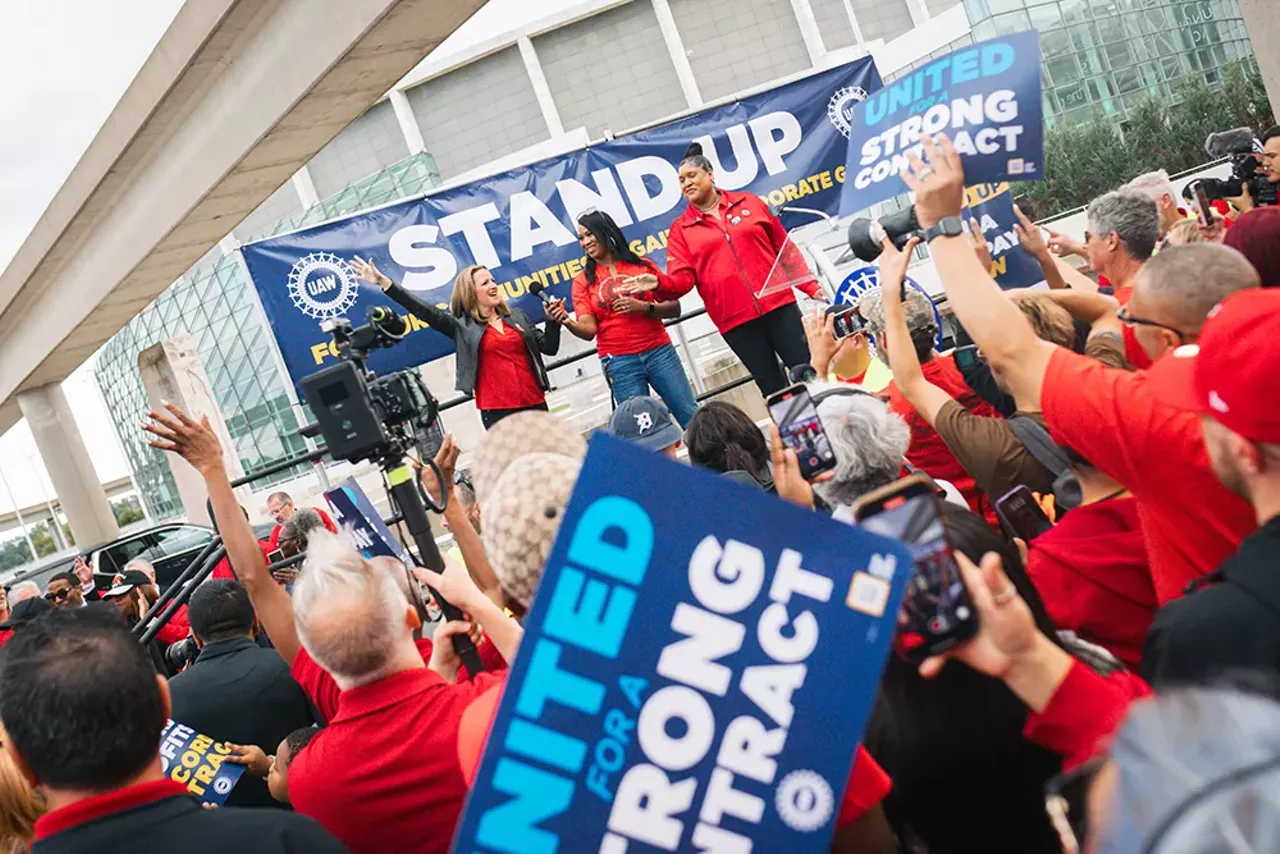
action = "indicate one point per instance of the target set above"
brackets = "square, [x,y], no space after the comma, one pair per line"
[1240,145]
[364,417]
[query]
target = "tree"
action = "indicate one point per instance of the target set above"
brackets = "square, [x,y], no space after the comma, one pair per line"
[1081,161]
[127,511]
[14,554]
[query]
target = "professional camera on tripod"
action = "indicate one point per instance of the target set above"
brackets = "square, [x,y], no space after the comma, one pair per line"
[381,419]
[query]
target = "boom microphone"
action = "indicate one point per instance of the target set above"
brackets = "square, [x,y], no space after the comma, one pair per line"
[1228,142]
[395,325]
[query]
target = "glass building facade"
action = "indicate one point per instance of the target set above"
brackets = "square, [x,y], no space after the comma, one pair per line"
[1105,56]
[214,303]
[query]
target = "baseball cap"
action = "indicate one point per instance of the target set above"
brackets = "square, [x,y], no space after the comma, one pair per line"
[645,421]
[131,579]
[1230,374]
[26,611]
[524,473]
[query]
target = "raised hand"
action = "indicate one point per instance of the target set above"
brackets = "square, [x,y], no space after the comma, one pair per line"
[1030,236]
[820,329]
[939,184]
[638,284]
[557,313]
[893,266]
[973,233]
[1060,244]
[178,432]
[446,460]
[367,272]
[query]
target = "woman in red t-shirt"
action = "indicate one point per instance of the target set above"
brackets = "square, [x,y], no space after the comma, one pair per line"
[635,350]
[499,349]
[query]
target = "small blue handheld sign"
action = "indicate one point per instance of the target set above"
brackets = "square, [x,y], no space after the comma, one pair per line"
[353,510]
[696,671]
[985,96]
[992,206]
[199,763]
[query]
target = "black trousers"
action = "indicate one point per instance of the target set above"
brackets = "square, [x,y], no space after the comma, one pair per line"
[761,342]
[489,417]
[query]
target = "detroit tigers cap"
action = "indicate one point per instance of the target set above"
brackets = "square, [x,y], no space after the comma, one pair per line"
[645,421]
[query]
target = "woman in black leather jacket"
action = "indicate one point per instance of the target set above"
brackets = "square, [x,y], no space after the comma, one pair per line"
[499,349]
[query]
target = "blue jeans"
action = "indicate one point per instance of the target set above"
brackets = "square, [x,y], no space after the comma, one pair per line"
[631,376]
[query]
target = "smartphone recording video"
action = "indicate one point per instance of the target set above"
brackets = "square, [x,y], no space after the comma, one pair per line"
[937,612]
[846,321]
[793,410]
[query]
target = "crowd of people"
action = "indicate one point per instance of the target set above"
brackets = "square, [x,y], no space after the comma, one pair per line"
[1116,693]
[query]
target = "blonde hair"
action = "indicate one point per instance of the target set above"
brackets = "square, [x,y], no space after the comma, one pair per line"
[20,805]
[1050,321]
[1186,231]
[464,299]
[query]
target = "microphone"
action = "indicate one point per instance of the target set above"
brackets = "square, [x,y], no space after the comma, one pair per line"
[1228,142]
[387,321]
[539,290]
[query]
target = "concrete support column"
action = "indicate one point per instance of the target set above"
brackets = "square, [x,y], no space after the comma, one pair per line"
[541,89]
[809,32]
[679,57]
[171,370]
[1262,25]
[305,188]
[67,460]
[853,22]
[408,122]
[919,12]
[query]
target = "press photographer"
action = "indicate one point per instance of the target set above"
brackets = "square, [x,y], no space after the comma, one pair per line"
[1255,171]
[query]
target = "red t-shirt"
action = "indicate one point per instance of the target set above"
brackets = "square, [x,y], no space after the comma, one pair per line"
[1091,571]
[274,539]
[618,334]
[383,777]
[1190,521]
[504,378]
[868,784]
[928,452]
[5,634]
[176,629]
[1083,713]
[223,569]
[1133,351]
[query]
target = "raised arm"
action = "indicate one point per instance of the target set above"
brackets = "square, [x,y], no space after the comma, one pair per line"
[439,320]
[908,376]
[459,525]
[195,442]
[681,276]
[1032,240]
[994,323]
[457,587]
[548,335]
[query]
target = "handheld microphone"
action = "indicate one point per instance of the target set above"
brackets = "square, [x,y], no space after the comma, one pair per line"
[1228,142]
[539,290]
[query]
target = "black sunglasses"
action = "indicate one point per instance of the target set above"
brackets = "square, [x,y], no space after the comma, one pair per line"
[58,595]
[1123,315]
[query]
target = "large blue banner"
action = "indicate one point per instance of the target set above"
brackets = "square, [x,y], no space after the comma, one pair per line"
[991,205]
[695,674]
[986,97]
[787,145]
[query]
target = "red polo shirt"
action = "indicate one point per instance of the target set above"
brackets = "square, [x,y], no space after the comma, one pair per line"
[1190,521]
[504,375]
[618,334]
[223,569]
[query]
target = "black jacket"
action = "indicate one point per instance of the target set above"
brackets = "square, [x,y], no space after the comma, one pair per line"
[466,332]
[1230,624]
[239,692]
[179,824]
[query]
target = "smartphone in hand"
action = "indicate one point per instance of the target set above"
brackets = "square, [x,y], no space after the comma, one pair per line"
[1021,515]
[937,611]
[800,427]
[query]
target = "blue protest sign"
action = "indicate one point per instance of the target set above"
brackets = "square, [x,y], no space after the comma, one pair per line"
[199,763]
[992,206]
[353,511]
[684,622]
[867,278]
[986,97]
[786,145]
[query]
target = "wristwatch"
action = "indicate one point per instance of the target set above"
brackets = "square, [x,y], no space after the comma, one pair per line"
[648,309]
[948,226]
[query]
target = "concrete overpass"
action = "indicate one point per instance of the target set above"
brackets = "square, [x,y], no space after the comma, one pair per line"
[237,96]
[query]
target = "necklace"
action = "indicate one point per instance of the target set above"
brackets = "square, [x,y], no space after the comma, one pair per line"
[715,204]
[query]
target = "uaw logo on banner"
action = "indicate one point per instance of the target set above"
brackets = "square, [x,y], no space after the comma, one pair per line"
[696,671]
[786,145]
[198,762]
[867,278]
[986,97]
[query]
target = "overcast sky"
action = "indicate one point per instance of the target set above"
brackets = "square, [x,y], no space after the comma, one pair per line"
[65,65]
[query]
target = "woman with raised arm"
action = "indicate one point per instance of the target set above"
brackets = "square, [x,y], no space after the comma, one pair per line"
[499,349]
[635,350]
[726,244]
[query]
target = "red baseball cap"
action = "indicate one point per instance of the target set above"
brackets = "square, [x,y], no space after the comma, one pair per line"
[1233,373]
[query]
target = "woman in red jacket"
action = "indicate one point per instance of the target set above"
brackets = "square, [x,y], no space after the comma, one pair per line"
[725,244]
